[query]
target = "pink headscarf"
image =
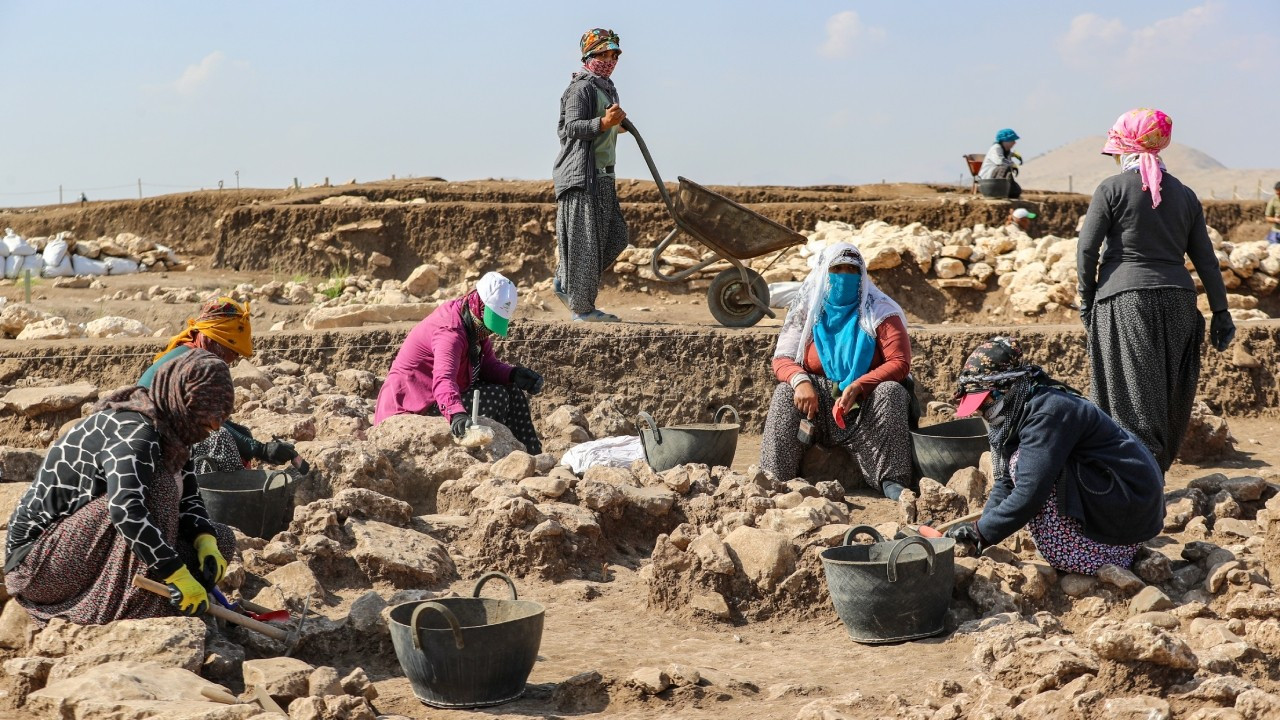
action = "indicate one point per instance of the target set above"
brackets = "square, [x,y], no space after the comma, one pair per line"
[1145,132]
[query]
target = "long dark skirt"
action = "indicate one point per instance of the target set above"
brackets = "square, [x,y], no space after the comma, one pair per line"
[1144,354]
[590,234]
[879,439]
[508,405]
[82,568]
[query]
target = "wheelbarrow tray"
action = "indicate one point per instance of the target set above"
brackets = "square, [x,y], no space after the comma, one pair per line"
[728,228]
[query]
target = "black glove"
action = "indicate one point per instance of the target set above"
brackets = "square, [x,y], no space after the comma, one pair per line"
[458,424]
[278,452]
[1086,309]
[966,533]
[1222,330]
[527,380]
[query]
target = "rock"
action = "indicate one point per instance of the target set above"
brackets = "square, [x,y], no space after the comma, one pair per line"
[14,317]
[424,280]
[1167,621]
[279,553]
[1245,489]
[1207,438]
[970,484]
[404,558]
[649,500]
[245,374]
[132,690]
[581,693]
[357,683]
[650,680]
[324,681]
[366,613]
[1142,707]
[1152,567]
[765,557]
[1217,577]
[1149,599]
[548,487]
[284,678]
[1146,643]
[168,641]
[356,315]
[948,267]
[223,661]
[602,497]
[1119,577]
[361,383]
[35,401]
[515,467]
[712,604]
[113,326]
[843,707]
[712,554]
[16,627]
[1232,527]
[17,465]
[295,581]
[937,503]
[1258,705]
[683,675]
[54,328]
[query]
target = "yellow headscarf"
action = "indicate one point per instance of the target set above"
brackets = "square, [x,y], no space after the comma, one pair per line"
[223,320]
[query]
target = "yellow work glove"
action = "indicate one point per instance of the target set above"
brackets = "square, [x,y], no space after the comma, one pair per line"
[186,593]
[212,564]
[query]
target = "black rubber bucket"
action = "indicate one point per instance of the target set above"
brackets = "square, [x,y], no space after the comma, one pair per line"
[891,591]
[711,444]
[994,187]
[468,652]
[938,451]
[257,502]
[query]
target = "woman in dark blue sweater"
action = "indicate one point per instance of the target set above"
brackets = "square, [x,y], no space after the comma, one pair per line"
[1089,491]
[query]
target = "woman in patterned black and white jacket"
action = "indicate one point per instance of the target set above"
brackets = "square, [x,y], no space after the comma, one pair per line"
[117,496]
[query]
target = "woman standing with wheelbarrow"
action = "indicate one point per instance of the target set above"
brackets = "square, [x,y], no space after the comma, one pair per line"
[590,229]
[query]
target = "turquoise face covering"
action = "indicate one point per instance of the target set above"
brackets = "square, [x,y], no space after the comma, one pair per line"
[844,348]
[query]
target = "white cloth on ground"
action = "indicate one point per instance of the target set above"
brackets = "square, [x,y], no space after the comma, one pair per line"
[617,451]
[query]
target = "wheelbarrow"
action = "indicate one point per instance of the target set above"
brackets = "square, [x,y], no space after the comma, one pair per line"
[738,296]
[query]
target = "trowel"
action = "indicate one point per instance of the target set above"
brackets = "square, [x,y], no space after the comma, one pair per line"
[477,435]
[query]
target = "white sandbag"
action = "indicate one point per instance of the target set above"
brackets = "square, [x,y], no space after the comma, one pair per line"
[782,293]
[62,269]
[55,251]
[618,451]
[121,266]
[16,244]
[15,265]
[170,257]
[88,266]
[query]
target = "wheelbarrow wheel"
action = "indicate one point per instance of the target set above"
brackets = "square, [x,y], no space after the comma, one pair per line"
[729,302]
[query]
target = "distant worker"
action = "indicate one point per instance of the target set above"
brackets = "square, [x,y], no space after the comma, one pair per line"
[1137,298]
[590,229]
[999,162]
[1021,217]
[1273,217]
[83,198]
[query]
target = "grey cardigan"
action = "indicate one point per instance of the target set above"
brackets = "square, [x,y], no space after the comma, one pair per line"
[1145,247]
[579,125]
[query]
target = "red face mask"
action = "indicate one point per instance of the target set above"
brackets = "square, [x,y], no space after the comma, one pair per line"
[600,66]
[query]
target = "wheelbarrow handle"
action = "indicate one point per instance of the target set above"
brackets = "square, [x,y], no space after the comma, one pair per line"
[891,568]
[448,616]
[653,169]
[653,426]
[491,575]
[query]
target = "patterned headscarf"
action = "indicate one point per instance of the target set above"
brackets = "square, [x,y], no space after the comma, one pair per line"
[598,40]
[997,365]
[188,394]
[1144,132]
[221,319]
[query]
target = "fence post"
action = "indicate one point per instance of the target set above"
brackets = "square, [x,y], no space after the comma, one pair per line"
[139,188]
[26,285]
[60,191]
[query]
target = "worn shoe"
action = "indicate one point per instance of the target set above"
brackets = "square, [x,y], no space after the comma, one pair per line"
[598,316]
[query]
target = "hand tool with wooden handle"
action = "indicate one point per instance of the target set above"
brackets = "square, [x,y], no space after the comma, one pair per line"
[275,633]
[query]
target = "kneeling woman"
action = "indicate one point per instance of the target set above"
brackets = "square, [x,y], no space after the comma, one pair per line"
[843,350]
[117,496]
[449,355]
[1089,490]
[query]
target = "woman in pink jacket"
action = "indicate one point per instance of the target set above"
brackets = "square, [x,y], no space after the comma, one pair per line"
[449,355]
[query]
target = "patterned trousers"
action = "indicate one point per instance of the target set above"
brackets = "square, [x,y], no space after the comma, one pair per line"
[590,234]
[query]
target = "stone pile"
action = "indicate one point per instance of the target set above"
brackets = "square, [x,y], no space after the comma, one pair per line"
[1036,276]
[26,322]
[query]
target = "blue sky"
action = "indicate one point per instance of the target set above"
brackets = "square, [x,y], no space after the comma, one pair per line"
[99,94]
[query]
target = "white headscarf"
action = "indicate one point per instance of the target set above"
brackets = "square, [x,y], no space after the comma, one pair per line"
[797,329]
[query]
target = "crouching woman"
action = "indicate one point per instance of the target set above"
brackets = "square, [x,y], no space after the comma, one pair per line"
[117,496]
[1088,490]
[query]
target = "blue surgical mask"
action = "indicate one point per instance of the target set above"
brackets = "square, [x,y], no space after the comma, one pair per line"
[846,289]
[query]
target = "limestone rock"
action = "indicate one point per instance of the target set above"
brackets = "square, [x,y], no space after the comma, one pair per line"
[295,581]
[54,328]
[35,401]
[404,558]
[765,557]
[353,381]
[113,326]
[650,680]
[424,280]
[168,641]
[324,681]
[1149,599]
[245,374]
[17,465]
[712,604]
[284,678]
[1142,707]
[16,627]
[357,683]
[1120,578]
[1146,643]
[132,690]
[356,315]
[937,503]
[515,467]
[970,484]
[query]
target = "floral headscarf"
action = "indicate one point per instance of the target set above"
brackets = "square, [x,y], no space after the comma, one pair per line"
[1143,132]
[598,40]
[187,396]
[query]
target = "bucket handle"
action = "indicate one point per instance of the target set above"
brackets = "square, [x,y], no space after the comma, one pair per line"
[854,531]
[720,414]
[448,616]
[490,576]
[266,487]
[653,426]
[892,567]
